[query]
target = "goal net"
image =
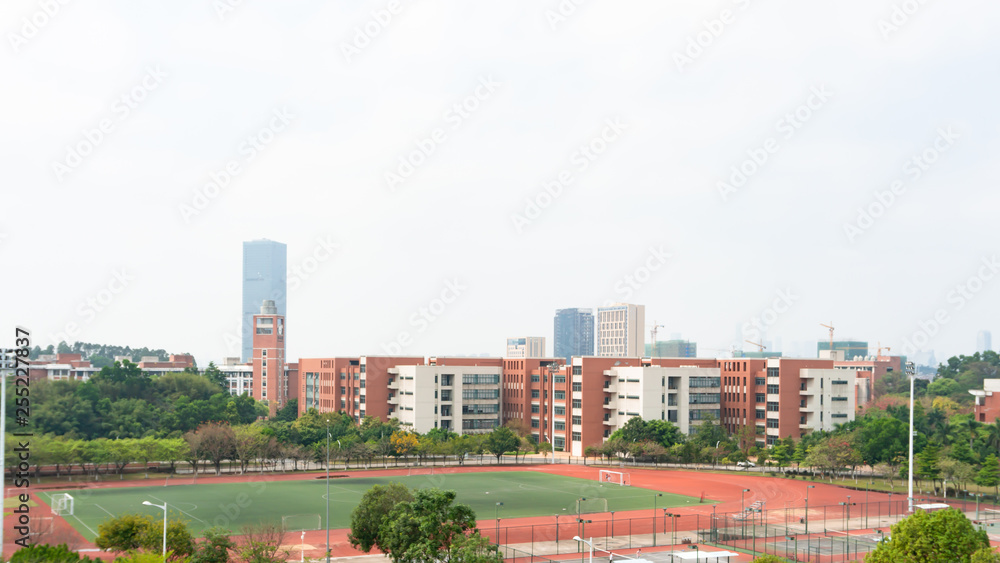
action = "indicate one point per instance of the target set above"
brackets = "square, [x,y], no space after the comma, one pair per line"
[614,477]
[301,522]
[591,505]
[420,471]
[62,504]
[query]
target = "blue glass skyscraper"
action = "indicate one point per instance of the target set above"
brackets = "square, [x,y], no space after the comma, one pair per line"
[265,264]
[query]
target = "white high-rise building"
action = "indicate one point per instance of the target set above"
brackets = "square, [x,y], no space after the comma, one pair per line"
[984,341]
[462,399]
[526,347]
[619,330]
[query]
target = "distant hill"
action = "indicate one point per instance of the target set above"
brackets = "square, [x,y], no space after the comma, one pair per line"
[100,355]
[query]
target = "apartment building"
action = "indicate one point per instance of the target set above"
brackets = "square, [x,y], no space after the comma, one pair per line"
[61,367]
[526,347]
[987,408]
[358,386]
[620,330]
[461,398]
[573,333]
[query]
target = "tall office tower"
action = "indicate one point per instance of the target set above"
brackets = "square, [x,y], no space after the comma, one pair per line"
[620,329]
[574,333]
[526,347]
[270,382]
[264,271]
[984,341]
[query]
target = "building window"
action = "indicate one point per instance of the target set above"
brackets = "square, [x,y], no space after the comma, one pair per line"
[772,372]
[696,382]
[772,407]
[560,425]
[559,443]
[703,398]
[561,411]
[577,403]
[534,409]
[577,386]
[560,395]
[576,437]
[559,379]
[772,423]
[760,380]
[759,413]
[577,370]
[577,419]
[534,393]
[534,423]
[343,389]
[761,398]
[772,389]
[535,378]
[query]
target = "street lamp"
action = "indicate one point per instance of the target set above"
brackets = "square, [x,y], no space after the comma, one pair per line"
[911,373]
[848,511]
[654,517]
[589,543]
[743,511]
[673,529]
[496,514]
[328,488]
[164,507]
[612,524]
[807,507]
[302,559]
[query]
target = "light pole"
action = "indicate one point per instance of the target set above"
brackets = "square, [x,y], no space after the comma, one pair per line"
[867,486]
[654,517]
[743,511]
[673,530]
[848,511]
[164,507]
[589,543]
[302,559]
[496,514]
[807,507]
[911,373]
[612,524]
[328,489]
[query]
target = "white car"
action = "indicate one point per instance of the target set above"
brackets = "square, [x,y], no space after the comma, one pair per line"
[746,464]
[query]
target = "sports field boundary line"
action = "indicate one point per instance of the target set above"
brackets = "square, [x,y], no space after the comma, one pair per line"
[104,509]
[181,511]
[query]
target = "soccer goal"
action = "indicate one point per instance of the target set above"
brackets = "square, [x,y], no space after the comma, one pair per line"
[301,522]
[62,504]
[413,471]
[619,477]
[591,505]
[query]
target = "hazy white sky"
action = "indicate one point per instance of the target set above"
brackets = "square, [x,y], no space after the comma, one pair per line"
[143,143]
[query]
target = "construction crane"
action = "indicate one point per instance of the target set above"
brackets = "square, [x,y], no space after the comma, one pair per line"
[880,348]
[829,326]
[760,347]
[652,336]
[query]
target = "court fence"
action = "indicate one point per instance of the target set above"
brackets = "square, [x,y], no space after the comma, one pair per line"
[828,534]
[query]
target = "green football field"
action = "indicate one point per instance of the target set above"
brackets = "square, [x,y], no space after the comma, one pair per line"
[301,504]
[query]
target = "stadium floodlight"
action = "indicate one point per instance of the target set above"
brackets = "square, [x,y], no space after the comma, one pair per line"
[164,507]
[911,372]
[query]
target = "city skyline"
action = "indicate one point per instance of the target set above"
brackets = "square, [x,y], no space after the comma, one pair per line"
[772,169]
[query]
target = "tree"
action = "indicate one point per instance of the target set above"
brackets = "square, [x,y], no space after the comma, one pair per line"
[501,441]
[130,532]
[989,475]
[215,443]
[215,375]
[41,553]
[985,555]
[927,464]
[473,548]
[248,441]
[214,548]
[426,527]
[289,412]
[373,510]
[261,543]
[404,443]
[944,536]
